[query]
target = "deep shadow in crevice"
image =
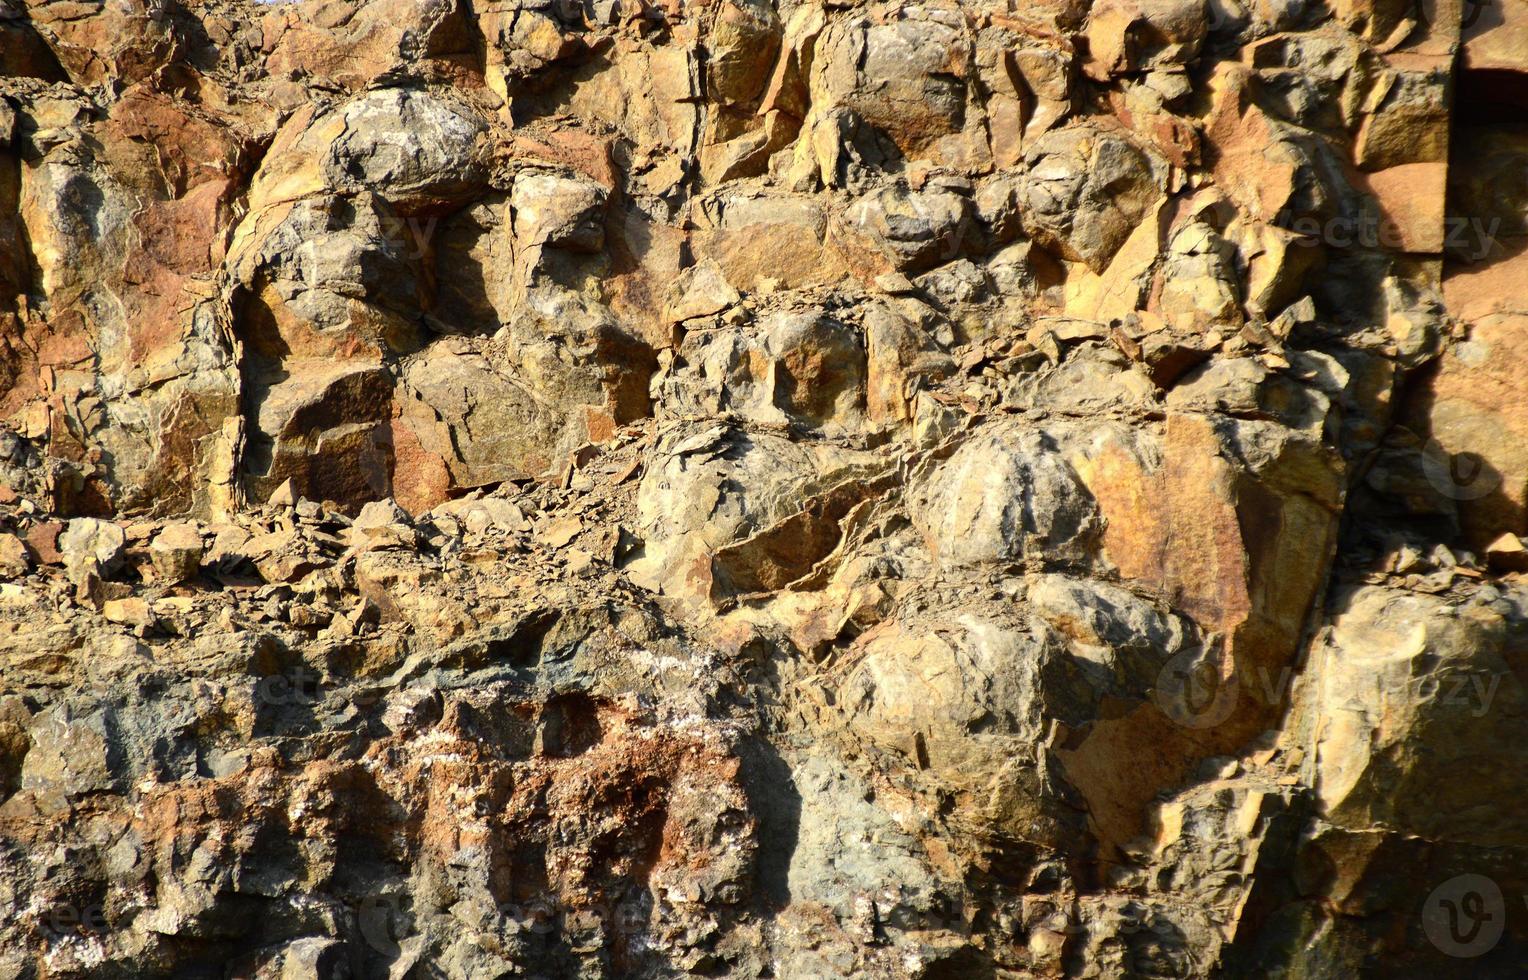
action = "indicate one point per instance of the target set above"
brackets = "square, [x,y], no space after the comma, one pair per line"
[1490,97]
[772,795]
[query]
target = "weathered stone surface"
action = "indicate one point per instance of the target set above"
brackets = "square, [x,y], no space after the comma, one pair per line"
[1471,413]
[14,560]
[1377,758]
[419,149]
[558,211]
[176,552]
[91,546]
[1002,495]
[351,44]
[382,524]
[916,230]
[1086,190]
[1127,36]
[794,366]
[324,427]
[752,489]
[905,75]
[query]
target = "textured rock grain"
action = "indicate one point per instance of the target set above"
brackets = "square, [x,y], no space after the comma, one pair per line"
[763,488]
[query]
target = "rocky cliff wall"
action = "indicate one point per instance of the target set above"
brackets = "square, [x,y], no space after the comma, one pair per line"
[530,488]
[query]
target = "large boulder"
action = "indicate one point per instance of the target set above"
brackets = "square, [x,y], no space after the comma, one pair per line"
[1086,189]
[903,76]
[323,426]
[915,230]
[1413,704]
[708,487]
[1006,493]
[419,150]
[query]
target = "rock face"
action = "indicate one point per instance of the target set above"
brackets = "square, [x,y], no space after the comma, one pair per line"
[763,488]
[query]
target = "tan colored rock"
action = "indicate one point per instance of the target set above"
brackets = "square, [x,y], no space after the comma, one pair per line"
[521,41]
[1277,262]
[69,754]
[558,211]
[932,684]
[90,546]
[480,515]
[1197,289]
[726,155]
[1003,495]
[419,149]
[1086,190]
[1383,732]
[1123,287]
[1508,553]
[775,236]
[1129,35]
[899,358]
[700,290]
[128,612]
[1241,555]
[791,366]
[904,76]
[914,230]
[126,42]
[14,560]
[351,43]
[649,94]
[487,420]
[878,473]
[1476,457]
[706,487]
[1269,170]
[1496,42]
[1408,126]
[1384,24]
[324,428]
[740,51]
[160,380]
[382,524]
[176,552]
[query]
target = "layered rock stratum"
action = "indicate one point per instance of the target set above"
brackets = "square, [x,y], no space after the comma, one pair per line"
[763,488]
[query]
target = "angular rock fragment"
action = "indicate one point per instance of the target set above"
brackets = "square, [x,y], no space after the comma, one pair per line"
[91,547]
[176,552]
[1085,191]
[14,560]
